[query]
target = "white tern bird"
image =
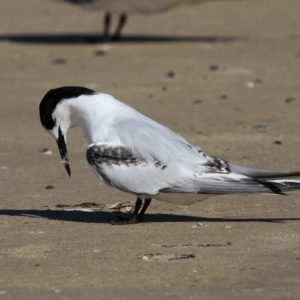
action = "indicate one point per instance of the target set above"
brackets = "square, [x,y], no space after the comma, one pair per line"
[123,7]
[136,155]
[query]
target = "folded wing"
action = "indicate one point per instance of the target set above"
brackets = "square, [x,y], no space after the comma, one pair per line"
[148,158]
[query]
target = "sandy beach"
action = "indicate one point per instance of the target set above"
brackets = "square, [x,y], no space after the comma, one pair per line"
[223,75]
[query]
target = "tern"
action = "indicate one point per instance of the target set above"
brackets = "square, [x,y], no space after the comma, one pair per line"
[134,154]
[124,7]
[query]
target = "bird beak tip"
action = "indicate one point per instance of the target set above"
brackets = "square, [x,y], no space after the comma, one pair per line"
[61,143]
[67,166]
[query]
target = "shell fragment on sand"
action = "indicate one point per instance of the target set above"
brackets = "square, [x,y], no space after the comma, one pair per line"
[124,206]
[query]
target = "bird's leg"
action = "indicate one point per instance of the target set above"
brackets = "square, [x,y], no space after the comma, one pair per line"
[122,22]
[145,206]
[136,216]
[133,219]
[107,21]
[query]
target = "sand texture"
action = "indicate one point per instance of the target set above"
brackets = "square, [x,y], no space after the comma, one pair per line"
[226,76]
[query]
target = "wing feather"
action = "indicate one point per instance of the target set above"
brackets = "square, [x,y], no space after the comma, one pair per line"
[150,159]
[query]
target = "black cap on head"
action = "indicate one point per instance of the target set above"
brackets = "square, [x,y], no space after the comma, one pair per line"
[55,96]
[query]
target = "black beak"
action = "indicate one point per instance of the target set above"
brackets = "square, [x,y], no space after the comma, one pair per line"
[63,151]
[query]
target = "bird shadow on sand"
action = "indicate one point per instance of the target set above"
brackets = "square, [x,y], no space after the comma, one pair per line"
[82,38]
[106,217]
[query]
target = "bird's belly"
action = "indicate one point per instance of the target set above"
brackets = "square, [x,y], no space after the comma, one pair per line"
[182,199]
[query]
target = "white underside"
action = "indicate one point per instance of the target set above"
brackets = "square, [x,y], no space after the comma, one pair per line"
[181,199]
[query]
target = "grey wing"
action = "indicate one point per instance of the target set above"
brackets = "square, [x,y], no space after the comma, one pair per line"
[238,184]
[154,141]
[151,159]
[122,168]
[127,170]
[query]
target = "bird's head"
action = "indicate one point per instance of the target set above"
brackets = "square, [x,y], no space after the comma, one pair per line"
[55,116]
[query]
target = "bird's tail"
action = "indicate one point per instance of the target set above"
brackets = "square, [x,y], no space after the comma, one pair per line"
[263,174]
[275,181]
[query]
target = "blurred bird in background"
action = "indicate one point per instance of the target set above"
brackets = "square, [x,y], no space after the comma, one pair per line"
[123,7]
